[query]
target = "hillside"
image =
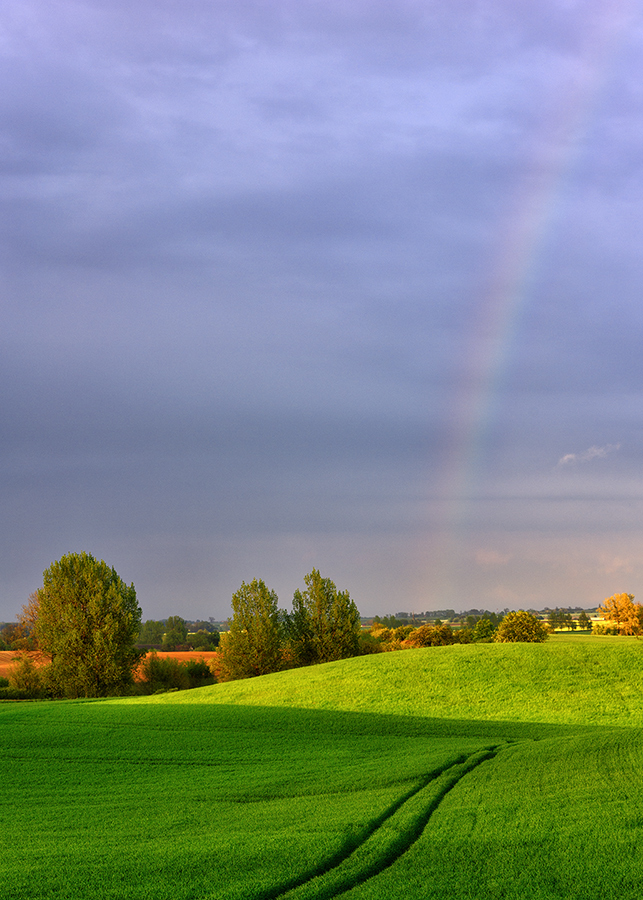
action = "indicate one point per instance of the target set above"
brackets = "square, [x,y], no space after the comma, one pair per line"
[468,771]
[580,680]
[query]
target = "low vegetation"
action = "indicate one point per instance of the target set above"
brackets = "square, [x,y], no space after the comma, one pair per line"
[479,770]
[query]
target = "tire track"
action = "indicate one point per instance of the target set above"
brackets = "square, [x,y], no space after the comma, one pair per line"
[385,839]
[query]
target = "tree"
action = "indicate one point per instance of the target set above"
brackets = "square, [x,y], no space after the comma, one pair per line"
[584,621]
[17,636]
[553,619]
[484,631]
[152,632]
[202,625]
[324,624]
[205,640]
[252,646]
[560,618]
[626,615]
[86,621]
[176,633]
[521,626]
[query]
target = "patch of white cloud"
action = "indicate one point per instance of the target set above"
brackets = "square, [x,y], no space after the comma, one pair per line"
[593,452]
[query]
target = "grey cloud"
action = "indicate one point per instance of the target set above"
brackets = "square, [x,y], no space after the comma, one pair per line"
[249,260]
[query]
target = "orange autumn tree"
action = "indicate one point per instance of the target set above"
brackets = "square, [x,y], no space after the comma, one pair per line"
[624,613]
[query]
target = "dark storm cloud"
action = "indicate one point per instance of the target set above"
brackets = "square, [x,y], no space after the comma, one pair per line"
[248,255]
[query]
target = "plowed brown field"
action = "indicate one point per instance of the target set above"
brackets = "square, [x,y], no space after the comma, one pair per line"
[7,657]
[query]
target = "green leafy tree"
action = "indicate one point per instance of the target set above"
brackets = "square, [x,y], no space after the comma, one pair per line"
[86,621]
[176,633]
[560,618]
[554,618]
[151,632]
[324,624]
[584,621]
[483,631]
[521,626]
[389,622]
[202,625]
[205,640]
[252,646]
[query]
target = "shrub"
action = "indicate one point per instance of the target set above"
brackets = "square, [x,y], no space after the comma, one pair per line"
[380,633]
[29,680]
[463,636]
[369,643]
[163,674]
[521,627]
[484,631]
[431,636]
[199,673]
[597,628]
[402,632]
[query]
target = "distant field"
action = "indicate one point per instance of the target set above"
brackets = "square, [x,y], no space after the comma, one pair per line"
[6,661]
[481,771]
[7,657]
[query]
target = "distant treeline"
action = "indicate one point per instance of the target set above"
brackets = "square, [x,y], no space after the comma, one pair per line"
[467,616]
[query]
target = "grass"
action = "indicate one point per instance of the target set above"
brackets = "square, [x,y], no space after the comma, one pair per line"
[477,771]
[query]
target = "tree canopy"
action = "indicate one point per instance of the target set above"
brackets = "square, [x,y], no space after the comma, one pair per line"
[521,626]
[252,646]
[176,633]
[626,615]
[324,624]
[560,618]
[86,620]
[152,632]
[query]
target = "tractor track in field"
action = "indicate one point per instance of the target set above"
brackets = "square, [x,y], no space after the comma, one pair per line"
[333,882]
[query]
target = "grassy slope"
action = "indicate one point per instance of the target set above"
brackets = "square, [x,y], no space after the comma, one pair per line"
[583,681]
[247,789]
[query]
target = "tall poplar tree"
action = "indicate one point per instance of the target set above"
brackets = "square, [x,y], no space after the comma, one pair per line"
[324,624]
[252,646]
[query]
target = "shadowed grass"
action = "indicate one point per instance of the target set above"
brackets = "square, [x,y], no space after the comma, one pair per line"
[248,789]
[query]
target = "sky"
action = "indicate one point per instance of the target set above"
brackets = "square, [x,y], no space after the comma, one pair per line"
[344,284]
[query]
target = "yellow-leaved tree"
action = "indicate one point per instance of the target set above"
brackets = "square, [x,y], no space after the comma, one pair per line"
[622,612]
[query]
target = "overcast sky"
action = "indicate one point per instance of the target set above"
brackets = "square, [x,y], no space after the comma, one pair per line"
[351,284]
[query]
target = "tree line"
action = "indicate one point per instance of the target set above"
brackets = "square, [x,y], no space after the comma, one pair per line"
[172,634]
[324,625]
[85,623]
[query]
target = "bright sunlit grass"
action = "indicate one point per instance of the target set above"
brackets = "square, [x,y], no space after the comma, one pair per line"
[468,771]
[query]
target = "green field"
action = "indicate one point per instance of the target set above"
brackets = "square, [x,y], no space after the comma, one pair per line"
[470,771]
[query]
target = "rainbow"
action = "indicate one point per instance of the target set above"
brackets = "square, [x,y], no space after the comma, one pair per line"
[523,237]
